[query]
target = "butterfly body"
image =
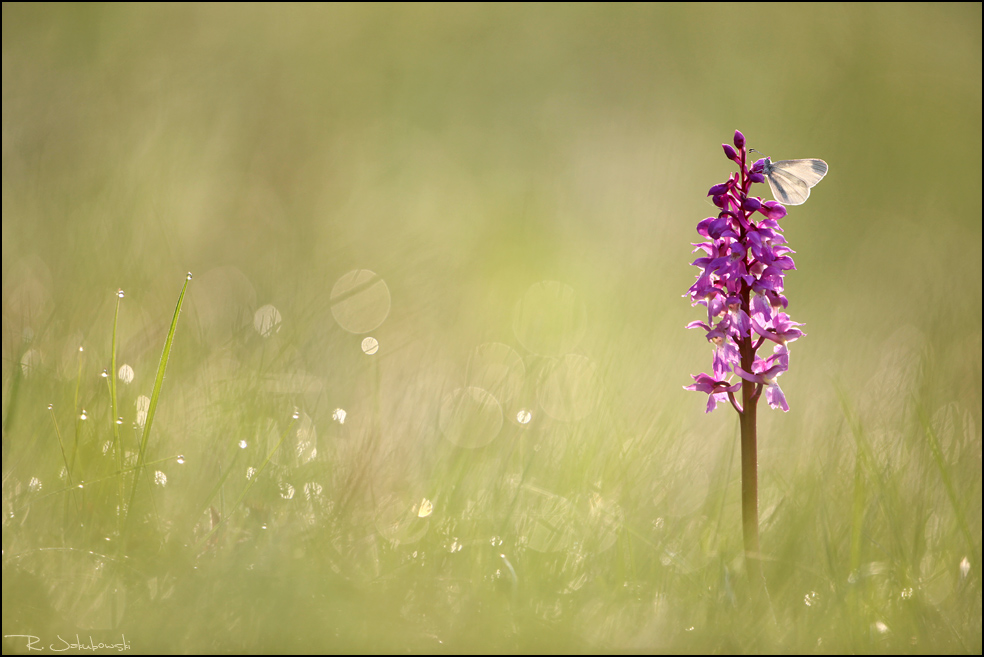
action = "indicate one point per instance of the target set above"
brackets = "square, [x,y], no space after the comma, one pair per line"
[791,180]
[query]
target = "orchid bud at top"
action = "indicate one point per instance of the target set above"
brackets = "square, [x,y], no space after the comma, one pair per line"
[739,139]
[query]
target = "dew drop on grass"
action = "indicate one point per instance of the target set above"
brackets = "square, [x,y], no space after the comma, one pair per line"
[50,406]
[83,416]
[242,444]
[370,346]
[119,420]
[180,459]
[105,374]
[188,276]
[119,293]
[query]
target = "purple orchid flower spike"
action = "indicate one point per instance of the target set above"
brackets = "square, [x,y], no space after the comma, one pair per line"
[741,285]
[744,262]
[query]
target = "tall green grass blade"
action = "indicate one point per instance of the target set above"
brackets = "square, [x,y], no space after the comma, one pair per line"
[111,381]
[156,394]
[117,444]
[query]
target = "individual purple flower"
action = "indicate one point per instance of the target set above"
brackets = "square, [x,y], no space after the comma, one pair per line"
[717,391]
[781,331]
[768,370]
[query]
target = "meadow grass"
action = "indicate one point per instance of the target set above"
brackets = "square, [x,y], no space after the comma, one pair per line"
[380,532]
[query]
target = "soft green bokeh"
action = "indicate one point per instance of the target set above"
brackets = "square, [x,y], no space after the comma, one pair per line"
[525,180]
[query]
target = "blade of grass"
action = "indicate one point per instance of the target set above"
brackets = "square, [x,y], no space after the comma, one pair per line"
[111,382]
[155,395]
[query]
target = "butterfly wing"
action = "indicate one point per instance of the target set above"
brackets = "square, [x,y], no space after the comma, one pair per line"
[788,189]
[809,171]
[791,180]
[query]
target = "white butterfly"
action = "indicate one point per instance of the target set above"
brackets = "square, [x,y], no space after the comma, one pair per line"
[791,180]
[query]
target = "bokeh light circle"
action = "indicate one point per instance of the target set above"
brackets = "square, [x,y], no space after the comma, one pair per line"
[360,301]
[266,320]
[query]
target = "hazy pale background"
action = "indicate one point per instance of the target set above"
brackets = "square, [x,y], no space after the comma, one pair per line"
[465,154]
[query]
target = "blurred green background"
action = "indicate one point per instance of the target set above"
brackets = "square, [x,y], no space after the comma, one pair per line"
[504,198]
